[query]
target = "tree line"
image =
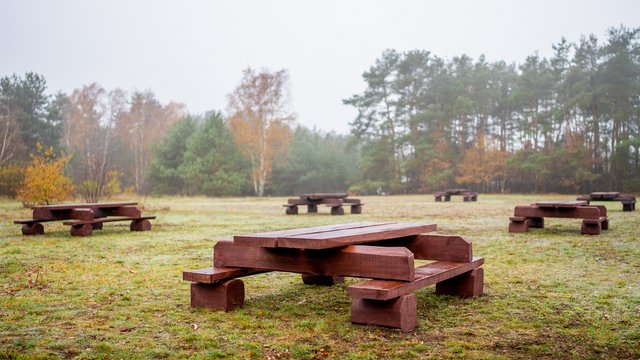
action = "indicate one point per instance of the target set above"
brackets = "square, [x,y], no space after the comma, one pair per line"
[570,123]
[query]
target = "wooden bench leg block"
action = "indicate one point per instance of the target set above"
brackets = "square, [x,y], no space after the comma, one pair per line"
[140,225]
[447,198]
[627,207]
[591,228]
[32,229]
[225,296]
[356,209]
[324,280]
[337,210]
[536,222]
[438,198]
[291,210]
[97,226]
[604,225]
[82,230]
[400,312]
[469,284]
[312,208]
[519,226]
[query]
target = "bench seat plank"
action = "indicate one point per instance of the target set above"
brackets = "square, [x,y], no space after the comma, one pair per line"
[108,219]
[425,275]
[211,275]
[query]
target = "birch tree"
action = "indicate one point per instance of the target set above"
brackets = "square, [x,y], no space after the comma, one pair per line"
[260,121]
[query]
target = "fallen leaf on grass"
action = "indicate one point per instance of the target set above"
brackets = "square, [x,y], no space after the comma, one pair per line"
[194,327]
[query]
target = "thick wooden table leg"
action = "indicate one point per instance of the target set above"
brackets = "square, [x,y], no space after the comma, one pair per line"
[591,227]
[536,222]
[291,210]
[224,296]
[325,280]
[469,284]
[337,210]
[32,229]
[97,226]
[140,225]
[312,208]
[396,313]
[356,209]
[82,230]
[518,224]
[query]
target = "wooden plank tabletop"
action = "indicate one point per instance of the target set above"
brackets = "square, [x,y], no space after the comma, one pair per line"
[605,194]
[319,196]
[561,204]
[84,206]
[332,236]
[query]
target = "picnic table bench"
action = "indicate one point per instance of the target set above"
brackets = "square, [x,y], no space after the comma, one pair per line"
[467,195]
[334,200]
[84,218]
[532,216]
[628,201]
[383,252]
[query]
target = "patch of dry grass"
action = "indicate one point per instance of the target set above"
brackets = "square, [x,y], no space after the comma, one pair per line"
[118,294]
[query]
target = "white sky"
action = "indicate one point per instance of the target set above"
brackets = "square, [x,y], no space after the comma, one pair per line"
[194,52]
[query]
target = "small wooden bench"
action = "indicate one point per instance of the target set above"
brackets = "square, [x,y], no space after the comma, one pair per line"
[86,227]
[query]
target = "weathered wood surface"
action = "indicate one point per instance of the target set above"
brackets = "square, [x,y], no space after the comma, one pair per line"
[400,312]
[354,260]
[434,247]
[628,201]
[319,196]
[225,296]
[560,204]
[469,284]
[325,237]
[425,275]
[85,217]
[532,216]
[211,275]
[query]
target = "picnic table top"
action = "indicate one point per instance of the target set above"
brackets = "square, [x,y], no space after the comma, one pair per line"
[605,193]
[561,204]
[333,236]
[316,196]
[84,205]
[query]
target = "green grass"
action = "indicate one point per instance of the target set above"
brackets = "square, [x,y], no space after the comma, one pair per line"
[549,293]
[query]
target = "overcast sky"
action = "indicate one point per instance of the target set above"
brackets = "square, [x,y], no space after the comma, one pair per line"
[194,52]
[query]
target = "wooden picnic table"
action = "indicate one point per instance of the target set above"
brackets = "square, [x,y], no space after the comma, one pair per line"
[86,217]
[628,201]
[383,252]
[532,216]
[467,194]
[334,200]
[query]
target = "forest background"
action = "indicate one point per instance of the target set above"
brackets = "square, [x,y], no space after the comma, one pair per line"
[568,124]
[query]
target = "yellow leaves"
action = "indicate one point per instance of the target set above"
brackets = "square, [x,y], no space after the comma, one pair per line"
[44,181]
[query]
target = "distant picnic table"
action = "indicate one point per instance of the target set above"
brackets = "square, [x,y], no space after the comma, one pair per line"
[467,195]
[84,218]
[381,251]
[532,216]
[628,201]
[334,200]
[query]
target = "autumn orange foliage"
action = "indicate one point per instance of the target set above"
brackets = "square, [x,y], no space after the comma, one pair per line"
[260,122]
[44,181]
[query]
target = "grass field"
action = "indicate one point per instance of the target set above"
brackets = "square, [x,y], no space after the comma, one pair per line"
[549,293]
